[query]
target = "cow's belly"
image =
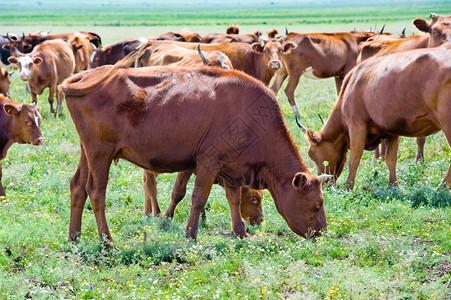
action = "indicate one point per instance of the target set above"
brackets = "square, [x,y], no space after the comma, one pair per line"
[418,127]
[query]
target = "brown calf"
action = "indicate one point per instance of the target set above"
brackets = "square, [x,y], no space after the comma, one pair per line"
[45,67]
[19,123]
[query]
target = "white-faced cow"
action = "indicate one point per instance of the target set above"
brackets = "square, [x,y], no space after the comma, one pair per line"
[404,93]
[19,123]
[221,122]
[45,67]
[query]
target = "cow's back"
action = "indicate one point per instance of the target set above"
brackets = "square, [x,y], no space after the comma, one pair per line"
[180,114]
[400,87]
[58,59]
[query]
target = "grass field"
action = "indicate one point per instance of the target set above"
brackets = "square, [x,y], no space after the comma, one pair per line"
[381,243]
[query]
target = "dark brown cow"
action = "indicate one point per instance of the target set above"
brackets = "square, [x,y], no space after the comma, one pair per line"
[233,29]
[45,67]
[221,122]
[190,37]
[250,199]
[169,36]
[4,82]
[19,123]
[327,54]
[272,33]
[27,43]
[386,97]
[111,54]
[260,60]
[173,55]
[213,38]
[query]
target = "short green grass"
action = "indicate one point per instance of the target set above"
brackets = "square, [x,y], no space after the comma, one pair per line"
[382,243]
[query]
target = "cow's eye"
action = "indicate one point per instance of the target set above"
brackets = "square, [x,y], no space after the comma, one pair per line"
[28,122]
[254,201]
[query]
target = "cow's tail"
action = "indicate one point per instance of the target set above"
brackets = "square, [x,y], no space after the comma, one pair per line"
[89,81]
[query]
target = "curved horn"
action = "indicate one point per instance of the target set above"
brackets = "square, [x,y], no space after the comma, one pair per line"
[262,40]
[23,35]
[382,30]
[324,177]
[202,56]
[322,120]
[304,130]
[220,58]
[285,36]
[8,37]
[403,33]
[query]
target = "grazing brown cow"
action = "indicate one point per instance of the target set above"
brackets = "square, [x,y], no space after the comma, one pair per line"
[45,67]
[327,54]
[260,60]
[439,32]
[386,97]
[250,199]
[173,55]
[4,82]
[19,123]
[168,119]
[111,54]
[83,50]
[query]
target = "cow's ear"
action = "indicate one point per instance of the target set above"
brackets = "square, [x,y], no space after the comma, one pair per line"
[12,59]
[257,47]
[288,47]
[6,74]
[314,138]
[302,181]
[6,47]
[37,60]
[108,50]
[11,109]
[422,25]
[26,48]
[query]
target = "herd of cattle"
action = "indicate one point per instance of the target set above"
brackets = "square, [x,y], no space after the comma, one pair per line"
[184,103]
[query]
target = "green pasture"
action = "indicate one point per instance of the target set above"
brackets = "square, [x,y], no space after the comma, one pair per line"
[381,243]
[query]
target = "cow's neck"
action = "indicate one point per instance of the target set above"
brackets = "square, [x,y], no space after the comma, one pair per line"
[333,130]
[262,72]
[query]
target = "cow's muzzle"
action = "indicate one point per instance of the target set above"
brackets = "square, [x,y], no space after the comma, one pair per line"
[274,64]
[38,141]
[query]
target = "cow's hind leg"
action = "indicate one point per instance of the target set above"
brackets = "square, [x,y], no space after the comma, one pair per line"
[420,142]
[202,187]
[178,192]
[78,197]
[59,100]
[150,194]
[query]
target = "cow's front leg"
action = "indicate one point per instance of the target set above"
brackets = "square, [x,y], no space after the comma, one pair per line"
[233,195]
[78,197]
[391,158]
[150,194]
[59,100]
[357,143]
[202,187]
[52,90]
[2,191]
